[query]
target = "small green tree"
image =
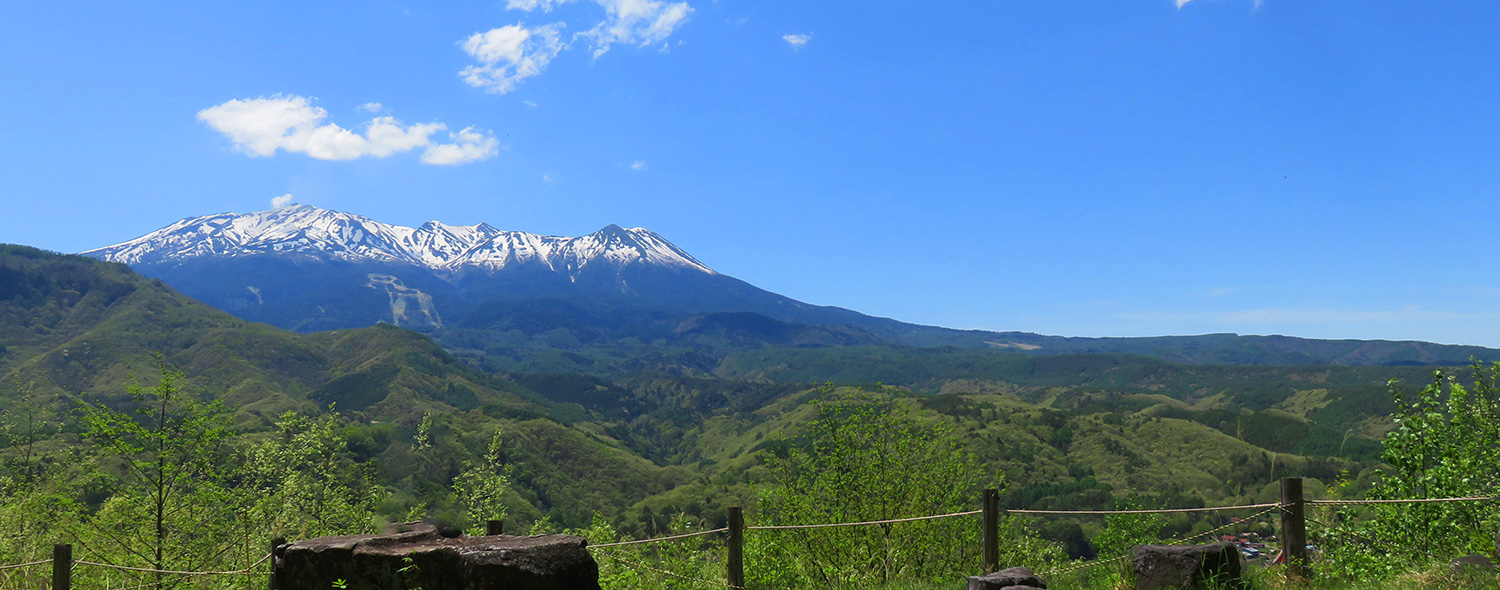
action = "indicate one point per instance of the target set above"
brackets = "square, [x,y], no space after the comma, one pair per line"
[1121,533]
[481,487]
[1445,443]
[171,509]
[31,420]
[301,482]
[34,509]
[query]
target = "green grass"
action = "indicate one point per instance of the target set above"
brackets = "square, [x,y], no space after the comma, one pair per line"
[1257,578]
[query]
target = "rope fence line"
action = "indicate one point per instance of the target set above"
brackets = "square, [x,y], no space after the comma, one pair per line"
[20,565]
[1147,511]
[639,541]
[709,583]
[1269,508]
[782,527]
[244,572]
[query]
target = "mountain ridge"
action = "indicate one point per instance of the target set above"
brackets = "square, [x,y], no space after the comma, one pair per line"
[304,229]
[310,269]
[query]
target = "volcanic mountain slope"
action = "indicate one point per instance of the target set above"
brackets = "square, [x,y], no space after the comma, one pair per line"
[309,269]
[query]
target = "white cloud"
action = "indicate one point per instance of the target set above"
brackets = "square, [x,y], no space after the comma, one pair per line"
[510,54]
[1254,4]
[261,126]
[529,103]
[639,165]
[797,40]
[281,201]
[469,145]
[372,107]
[549,179]
[530,5]
[635,22]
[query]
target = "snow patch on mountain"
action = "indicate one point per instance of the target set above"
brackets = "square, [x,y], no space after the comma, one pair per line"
[305,229]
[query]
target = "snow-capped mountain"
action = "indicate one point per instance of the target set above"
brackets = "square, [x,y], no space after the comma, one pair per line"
[304,229]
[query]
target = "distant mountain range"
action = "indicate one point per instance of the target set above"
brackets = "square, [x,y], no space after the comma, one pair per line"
[486,290]
[438,247]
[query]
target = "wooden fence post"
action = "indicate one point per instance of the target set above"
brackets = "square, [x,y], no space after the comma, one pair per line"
[736,560]
[62,567]
[1294,526]
[991,531]
[276,543]
[494,527]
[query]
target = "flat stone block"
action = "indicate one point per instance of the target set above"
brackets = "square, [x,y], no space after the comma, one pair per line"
[421,557]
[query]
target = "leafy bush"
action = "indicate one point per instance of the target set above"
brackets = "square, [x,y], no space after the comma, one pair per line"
[1446,443]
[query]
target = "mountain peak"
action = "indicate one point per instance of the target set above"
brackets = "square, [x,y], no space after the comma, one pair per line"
[311,231]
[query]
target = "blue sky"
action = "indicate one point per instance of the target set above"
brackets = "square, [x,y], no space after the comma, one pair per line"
[1094,168]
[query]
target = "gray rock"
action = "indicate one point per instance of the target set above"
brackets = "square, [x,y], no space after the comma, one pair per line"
[1159,567]
[422,526]
[1015,578]
[408,527]
[419,556]
[1472,564]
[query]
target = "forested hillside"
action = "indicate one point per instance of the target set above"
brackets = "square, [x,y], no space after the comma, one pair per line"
[402,429]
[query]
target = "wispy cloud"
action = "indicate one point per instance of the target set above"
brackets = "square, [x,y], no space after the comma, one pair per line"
[638,165]
[468,145]
[1254,4]
[510,54]
[797,40]
[635,22]
[530,5]
[281,201]
[261,126]
[372,107]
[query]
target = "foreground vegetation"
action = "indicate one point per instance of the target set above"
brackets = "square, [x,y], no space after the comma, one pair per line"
[168,485]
